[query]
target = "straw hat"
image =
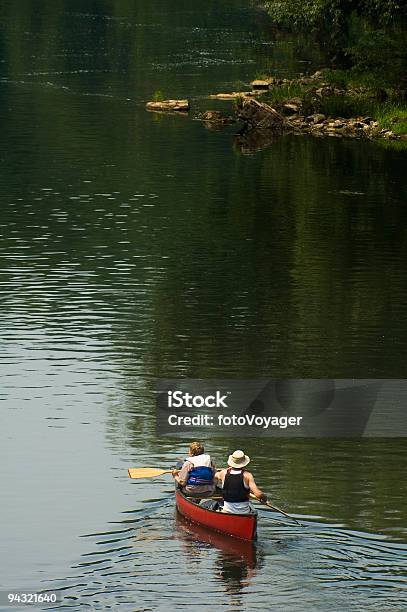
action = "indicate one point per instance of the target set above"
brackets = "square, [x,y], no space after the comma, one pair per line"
[238,459]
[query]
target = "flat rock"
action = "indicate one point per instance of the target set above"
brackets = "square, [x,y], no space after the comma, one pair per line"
[229,96]
[260,84]
[168,106]
[291,108]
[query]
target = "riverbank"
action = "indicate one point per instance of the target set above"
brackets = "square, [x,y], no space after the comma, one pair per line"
[337,95]
[322,104]
[363,43]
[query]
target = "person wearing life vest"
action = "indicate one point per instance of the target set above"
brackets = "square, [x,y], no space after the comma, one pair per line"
[237,483]
[197,472]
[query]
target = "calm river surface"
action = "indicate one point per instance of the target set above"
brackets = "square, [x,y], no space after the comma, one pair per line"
[135,247]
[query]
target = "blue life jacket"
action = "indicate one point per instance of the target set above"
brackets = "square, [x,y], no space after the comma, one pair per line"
[200,476]
[202,472]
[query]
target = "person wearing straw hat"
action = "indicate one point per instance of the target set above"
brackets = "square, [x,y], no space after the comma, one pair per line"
[237,483]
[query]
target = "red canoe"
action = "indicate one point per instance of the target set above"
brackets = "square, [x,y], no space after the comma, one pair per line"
[243,526]
[231,547]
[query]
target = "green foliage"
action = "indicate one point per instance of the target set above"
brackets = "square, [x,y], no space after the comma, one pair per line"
[352,79]
[393,145]
[389,115]
[238,102]
[393,118]
[383,55]
[239,85]
[339,78]
[158,96]
[360,102]
[312,14]
[346,106]
[281,93]
[368,35]
[261,75]
[333,13]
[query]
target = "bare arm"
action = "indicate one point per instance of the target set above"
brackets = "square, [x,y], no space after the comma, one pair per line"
[219,477]
[253,487]
[181,476]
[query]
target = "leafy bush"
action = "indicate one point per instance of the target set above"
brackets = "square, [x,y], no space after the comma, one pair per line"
[367,35]
[383,55]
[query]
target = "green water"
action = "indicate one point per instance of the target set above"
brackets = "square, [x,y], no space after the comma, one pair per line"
[136,246]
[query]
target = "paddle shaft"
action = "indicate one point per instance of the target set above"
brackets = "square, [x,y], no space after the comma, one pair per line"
[266,503]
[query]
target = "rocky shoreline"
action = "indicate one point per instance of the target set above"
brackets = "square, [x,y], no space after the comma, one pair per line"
[258,115]
[264,109]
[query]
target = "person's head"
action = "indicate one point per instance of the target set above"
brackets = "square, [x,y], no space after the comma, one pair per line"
[196,448]
[238,460]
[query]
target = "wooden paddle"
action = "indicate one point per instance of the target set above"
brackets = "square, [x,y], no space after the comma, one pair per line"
[147,472]
[277,509]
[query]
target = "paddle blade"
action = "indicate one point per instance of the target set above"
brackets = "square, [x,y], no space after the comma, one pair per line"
[146,472]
